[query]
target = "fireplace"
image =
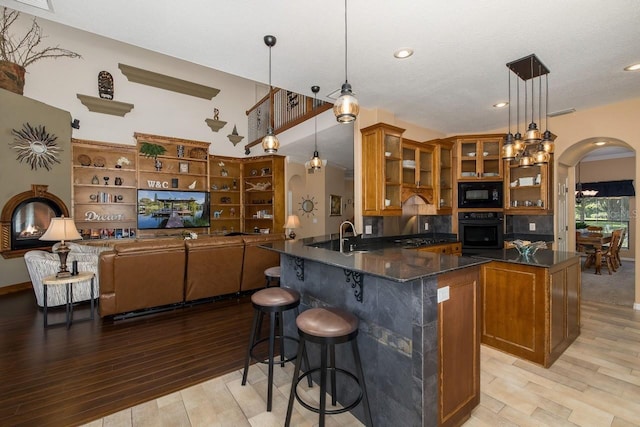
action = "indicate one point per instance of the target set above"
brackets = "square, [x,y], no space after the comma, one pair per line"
[25,217]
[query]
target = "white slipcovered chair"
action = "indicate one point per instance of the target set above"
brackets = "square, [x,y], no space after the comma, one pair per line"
[41,264]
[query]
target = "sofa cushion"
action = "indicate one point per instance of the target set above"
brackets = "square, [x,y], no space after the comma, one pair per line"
[257,259]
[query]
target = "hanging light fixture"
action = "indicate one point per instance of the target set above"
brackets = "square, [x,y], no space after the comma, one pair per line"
[270,142]
[316,162]
[346,108]
[534,148]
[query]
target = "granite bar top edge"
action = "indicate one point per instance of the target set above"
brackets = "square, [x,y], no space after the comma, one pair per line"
[392,263]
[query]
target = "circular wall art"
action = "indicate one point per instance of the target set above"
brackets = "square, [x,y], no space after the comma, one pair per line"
[307,206]
[35,146]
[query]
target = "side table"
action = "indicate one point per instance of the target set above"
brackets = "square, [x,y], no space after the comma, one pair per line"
[68,282]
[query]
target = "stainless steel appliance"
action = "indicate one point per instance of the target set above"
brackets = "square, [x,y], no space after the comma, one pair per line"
[480,195]
[481,230]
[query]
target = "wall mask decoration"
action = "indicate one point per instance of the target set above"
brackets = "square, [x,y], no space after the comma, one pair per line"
[105,85]
[36,147]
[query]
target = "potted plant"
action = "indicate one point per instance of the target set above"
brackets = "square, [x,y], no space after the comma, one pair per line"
[17,53]
[153,150]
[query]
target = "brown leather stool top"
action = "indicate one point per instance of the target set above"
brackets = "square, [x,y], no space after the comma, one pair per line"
[272,274]
[327,322]
[273,297]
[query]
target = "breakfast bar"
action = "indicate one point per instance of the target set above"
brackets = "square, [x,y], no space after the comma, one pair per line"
[406,341]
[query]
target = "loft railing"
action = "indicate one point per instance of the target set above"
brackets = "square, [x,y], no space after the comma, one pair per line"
[289,109]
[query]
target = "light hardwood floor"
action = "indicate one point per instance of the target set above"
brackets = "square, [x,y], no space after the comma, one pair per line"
[596,382]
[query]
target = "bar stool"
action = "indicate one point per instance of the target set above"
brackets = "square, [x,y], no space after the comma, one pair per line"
[272,274]
[327,327]
[274,301]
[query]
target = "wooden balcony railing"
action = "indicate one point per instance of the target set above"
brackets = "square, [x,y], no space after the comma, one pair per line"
[289,109]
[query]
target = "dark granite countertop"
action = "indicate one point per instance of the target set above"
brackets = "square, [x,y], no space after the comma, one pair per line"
[391,262]
[543,258]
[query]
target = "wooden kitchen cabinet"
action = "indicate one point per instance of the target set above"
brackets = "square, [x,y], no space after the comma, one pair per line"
[381,170]
[443,185]
[532,312]
[480,158]
[459,346]
[444,248]
[529,190]
[417,170]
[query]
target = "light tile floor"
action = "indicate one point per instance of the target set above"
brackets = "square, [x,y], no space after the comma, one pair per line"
[596,382]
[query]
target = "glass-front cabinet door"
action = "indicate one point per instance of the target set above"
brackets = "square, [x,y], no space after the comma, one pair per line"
[382,172]
[417,170]
[480,158]
[444,159]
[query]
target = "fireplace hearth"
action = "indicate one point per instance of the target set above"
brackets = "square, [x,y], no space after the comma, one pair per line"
[25,217]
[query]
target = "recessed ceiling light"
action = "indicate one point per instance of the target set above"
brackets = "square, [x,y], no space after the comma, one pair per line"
[600,142]
[403,53]
[501,104]
[633,67]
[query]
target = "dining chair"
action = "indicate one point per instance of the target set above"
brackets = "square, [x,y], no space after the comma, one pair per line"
[622,236]
[609,255]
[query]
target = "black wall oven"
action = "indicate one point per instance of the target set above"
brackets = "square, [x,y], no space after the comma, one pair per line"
[481,230]
[476,195]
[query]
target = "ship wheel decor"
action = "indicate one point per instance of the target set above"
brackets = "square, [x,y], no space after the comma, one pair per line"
[35,146]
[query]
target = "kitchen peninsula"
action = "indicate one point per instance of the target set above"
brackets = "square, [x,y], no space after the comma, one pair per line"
[421,315]
[421,361]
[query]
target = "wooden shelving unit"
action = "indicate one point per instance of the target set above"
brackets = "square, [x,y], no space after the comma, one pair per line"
[104,191]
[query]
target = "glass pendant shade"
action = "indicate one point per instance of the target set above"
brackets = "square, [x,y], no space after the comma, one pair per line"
[526,160]
[532,134]
[346,108]
[508,151]
[270,143]
[518,143]
[547,143]
[316,162]
[540,157]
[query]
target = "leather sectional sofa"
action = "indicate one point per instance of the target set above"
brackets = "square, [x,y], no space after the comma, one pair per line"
[147,274]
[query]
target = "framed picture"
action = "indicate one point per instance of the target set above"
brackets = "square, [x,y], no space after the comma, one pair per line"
[335,205]
[184,167]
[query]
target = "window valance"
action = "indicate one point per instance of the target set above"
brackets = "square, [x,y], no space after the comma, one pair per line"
[609,188]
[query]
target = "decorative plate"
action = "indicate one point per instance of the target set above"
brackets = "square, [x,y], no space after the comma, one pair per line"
[84,160]
[98,162]
[198,153]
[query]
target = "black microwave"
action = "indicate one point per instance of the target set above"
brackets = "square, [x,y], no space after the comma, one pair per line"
[480,195]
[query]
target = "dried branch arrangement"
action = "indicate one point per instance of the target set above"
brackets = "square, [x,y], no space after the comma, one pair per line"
[26,50]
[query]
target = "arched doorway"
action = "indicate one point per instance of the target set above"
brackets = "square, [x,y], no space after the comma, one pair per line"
[611,161]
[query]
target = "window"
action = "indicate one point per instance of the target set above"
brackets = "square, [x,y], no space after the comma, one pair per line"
[610,213]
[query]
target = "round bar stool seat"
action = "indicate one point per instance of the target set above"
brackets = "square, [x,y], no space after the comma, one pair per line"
[272,274]
[327,327]
[274,301]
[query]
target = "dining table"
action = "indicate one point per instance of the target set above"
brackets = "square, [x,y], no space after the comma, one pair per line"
[595,242]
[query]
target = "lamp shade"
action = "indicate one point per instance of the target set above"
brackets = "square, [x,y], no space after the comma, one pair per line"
[292,222]
[61,229]
[346,108]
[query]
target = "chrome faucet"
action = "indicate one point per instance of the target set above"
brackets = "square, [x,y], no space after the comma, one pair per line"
[342,239]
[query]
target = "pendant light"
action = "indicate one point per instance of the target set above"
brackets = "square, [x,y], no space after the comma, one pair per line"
[316,162]
[270,142]
[534,148]
[346,107]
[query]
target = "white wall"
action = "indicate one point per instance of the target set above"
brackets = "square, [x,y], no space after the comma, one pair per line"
[156,111]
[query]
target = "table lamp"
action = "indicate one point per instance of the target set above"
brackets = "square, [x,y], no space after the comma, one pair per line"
[293,222]
[62,229]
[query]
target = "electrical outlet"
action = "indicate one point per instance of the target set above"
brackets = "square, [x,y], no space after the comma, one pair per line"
[532,226]
[426,226]
[443,294]
[368,229]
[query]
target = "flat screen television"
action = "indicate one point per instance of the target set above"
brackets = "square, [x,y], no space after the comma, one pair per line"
[172,209]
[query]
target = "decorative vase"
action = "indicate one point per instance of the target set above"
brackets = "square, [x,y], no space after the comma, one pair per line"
[12,77]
